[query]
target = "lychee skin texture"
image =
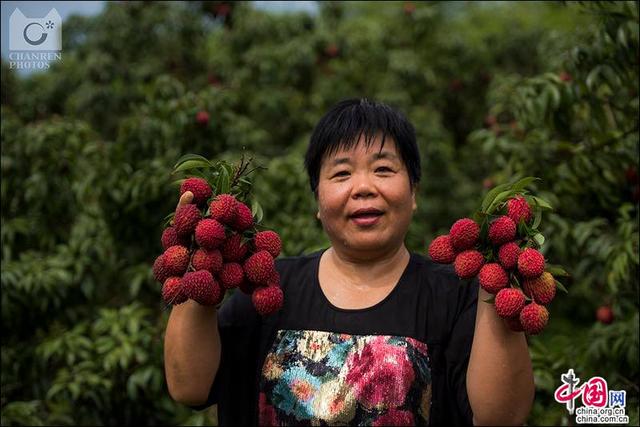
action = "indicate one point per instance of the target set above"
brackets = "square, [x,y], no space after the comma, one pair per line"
[530,263]
[267,300]
[502,230]
[534,318]
[441,250]
[243,219]
[514,324]
[604,314]
[233,249]
[200,189]
[209,233]
[259,267]
[268,241]
[172,293]
[274,279]
[201,287]
[508,255]
[464,234]
[170,238]
[223,208]
[509,302]
[542,288]
[493,278]
[186,219]
[231,275]
[204,259]
[176,260]
[160,271]
[518,208]
[468,263]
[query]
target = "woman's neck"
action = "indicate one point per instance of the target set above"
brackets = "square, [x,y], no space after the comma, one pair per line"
[370,271]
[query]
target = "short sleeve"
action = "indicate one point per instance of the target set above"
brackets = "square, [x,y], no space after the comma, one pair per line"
[239,327]
[458,349]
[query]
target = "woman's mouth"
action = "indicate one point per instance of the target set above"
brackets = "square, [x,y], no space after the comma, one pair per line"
[366,217]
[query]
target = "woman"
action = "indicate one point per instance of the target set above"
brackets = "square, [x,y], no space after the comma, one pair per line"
[369,333]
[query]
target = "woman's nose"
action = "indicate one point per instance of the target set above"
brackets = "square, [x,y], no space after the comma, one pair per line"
[363,186]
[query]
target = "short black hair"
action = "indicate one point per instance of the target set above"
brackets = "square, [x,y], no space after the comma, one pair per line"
[342,126]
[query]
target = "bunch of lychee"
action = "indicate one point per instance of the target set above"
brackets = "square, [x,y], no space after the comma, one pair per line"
[213,246]
[505,263]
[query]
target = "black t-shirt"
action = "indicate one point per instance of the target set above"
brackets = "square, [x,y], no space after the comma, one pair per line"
[401,361]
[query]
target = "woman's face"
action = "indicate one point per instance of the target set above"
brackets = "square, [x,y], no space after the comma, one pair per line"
[365,199]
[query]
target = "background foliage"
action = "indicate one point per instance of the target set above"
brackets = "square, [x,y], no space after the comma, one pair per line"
[495,91]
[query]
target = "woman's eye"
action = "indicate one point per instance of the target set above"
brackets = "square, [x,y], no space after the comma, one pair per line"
[383,169]
[341,173]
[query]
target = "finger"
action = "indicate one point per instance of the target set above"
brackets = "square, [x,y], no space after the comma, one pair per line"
[185,199]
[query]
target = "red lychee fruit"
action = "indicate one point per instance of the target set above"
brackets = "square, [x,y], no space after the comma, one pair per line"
[441,250]
[200,189]
[233,249]
[243,219]
[170,238]
[268,241]
[258,267]
[530,263]
[565,77]
[267,299]
[604,314]
[502,230]
[464,234]
[231,275]
[202,118]
[493,278]
[186,219]
[514,324]
[274,279]
[209,233]
[508,255]
[518,209]
[534,318]
[541,289]
[176,260]
[509,302]
[160,271]
[201,287]
[224,208]
[207,259]
[172,293]
[468,263]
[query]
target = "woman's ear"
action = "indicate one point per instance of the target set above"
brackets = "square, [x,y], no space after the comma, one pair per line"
[413,197]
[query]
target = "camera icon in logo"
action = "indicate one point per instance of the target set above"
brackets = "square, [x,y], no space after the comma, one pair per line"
[43,34]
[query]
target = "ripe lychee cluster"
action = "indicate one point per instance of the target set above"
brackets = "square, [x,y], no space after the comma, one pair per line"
[499,250]
[213,246]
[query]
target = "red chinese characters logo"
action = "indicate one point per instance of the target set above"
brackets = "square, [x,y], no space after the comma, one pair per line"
[594,392]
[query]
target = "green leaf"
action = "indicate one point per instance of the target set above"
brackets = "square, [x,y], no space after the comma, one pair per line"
[500,198]
[490,300]
[537,219]
[256,210]
[524,182]
[192,164]
[224,183]
[561,287]
[556,270]
[491,195]
[539,239]
[189,157]
[542,203]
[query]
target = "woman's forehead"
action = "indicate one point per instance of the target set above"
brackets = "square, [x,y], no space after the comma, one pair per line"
[375,147]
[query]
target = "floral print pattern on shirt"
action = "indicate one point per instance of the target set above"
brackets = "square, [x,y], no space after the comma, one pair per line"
[323,378]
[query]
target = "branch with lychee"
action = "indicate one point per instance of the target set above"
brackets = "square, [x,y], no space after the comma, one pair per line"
[214,242]
[500,245]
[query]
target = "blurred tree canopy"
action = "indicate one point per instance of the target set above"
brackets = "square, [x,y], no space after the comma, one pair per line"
[495,91]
